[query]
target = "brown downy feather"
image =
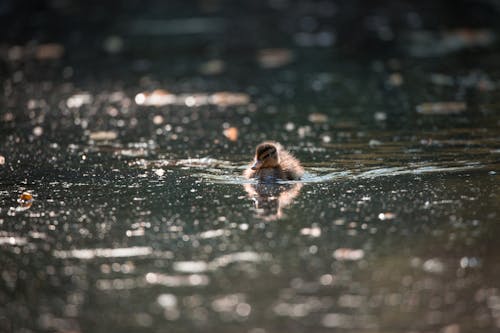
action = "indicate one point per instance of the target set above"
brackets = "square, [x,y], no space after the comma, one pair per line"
[271,167]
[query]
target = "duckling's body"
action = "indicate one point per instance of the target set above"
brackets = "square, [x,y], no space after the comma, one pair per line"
[273,162]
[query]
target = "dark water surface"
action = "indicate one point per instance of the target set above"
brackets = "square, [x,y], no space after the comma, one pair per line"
[142,222]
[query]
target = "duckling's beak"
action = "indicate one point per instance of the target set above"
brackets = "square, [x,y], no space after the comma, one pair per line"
[256,165]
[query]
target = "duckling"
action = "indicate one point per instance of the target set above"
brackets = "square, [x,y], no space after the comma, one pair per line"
[272,162]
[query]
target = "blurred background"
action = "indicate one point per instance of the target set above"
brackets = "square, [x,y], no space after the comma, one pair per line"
[125,126]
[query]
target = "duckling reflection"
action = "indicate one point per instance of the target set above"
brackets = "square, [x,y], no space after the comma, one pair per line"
[271,198]
[272,163]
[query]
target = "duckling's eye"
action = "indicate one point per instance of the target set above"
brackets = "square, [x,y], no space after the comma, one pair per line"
[267,154]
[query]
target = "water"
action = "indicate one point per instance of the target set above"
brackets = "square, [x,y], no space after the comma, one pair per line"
[142,222]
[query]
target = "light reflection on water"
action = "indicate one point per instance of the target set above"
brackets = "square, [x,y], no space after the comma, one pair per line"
[362,242]
[321,251]
[142,222]
[323,174]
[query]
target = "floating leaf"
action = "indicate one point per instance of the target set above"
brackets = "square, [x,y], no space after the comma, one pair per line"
[231,133]
[103,135]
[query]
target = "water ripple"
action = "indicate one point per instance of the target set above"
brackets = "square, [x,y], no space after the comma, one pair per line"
[326,174]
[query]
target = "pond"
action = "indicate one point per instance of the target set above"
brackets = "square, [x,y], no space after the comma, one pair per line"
[122,202]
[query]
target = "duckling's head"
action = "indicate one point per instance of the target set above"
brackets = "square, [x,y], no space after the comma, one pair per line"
[266,156]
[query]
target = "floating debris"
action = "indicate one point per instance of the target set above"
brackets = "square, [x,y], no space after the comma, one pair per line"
[135,233]
[12,240]
[103,135]
[317,118]
[213,67]
[212,233]
[395,79]
[162,97]
[191,266]
[78,100]
[441,108]
[226,98]
[326,138]
[273,58]
[25,200]
[386,216]
[51,51]
[228,259]
[158,97]
[346,254]
[159,172]
[2,160]
[195,162]
[433,265]
[192,280]
[167,300]
[313,232]
[37,131]
[380,116]
[135,251]
[374,143]
[231,133]
[158,119]
[140,152]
